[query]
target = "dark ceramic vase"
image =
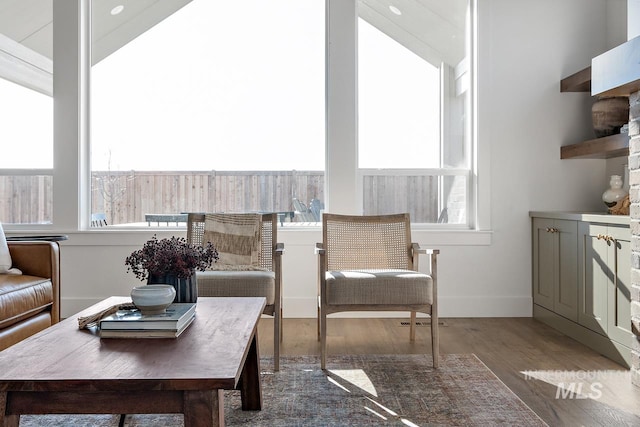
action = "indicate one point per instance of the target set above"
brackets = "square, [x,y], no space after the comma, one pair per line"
[186,289]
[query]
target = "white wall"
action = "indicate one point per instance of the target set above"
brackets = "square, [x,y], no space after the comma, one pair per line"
[633,28]
[525,49]
[617,18]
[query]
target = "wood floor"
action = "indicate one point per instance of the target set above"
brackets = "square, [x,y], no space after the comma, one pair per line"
[564,382]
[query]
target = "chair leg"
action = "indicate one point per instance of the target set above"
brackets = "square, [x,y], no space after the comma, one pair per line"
[435,341]
[277,334]
[412,326]
[318,322]
[323,338]
[281,325]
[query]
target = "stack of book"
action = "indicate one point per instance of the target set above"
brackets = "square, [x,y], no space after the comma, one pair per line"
[134,324]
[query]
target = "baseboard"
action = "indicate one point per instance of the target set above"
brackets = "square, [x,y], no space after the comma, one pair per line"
[472,306]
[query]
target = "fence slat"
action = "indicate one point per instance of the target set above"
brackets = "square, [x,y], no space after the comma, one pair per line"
[126,196]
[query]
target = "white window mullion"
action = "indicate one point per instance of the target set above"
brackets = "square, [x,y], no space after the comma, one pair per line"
[71,49]
[342,106]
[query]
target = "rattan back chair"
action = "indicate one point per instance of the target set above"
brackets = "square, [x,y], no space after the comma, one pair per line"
[368,263]
[267,282]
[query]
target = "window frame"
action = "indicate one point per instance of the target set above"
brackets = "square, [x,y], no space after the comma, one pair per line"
[32,71]
[439,172]
[71,121]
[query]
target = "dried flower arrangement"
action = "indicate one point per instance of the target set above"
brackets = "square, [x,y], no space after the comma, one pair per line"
[170,256]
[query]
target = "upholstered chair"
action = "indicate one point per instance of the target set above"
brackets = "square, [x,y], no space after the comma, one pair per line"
[250,262]
[368,263]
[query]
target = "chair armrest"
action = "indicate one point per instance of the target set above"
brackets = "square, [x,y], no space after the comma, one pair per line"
[319,249]
[40,259]
[415,247]
[416,250]
[33,258]
[279,249]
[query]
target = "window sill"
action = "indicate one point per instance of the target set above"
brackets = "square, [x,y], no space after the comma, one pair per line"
[423,235]
[303,235]
[450,237]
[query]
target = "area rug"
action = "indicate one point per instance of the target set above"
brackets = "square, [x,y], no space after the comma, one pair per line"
[371,390]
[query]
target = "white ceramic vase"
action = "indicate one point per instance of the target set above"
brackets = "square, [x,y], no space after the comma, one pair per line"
[153,299]
[615,193]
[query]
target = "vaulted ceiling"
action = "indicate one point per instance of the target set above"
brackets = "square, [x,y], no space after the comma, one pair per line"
[30,22]
[433,29]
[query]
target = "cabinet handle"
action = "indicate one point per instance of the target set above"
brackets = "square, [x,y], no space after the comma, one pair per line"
[605,237]
[552,230]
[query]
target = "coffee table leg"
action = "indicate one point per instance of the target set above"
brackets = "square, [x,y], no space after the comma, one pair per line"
[201,406]
[250,383]
[7,420]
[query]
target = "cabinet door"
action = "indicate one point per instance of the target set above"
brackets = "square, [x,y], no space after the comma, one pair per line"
[565,296]
[593,277]
[555,283]
[619,292]
[544,270]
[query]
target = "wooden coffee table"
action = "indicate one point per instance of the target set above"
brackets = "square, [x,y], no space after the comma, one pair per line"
[65,370]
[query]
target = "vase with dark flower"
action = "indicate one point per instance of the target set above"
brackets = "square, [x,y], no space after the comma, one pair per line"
[186,288]
[174,262]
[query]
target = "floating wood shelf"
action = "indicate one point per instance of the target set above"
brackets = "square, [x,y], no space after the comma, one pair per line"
[599,148]
[578,82]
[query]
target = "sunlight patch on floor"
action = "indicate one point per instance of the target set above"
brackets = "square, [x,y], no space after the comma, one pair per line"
[375,413]
[336,383]
[360,379]
[356,377]
[389,411]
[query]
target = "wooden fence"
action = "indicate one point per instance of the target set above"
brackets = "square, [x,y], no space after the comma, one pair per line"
[125,197]
[26,199]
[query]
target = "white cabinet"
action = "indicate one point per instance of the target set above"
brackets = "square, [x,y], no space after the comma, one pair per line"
[581,271]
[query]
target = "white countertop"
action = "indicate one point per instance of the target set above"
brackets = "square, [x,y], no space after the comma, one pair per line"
[584,216]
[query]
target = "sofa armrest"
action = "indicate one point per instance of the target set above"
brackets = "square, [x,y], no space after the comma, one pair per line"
[40,259]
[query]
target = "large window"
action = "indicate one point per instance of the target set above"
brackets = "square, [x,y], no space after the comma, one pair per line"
[219,107]
[207,105]
[26,138]
[414,146]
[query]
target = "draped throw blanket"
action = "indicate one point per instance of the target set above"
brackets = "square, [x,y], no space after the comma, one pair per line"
[5,256]
[236,237]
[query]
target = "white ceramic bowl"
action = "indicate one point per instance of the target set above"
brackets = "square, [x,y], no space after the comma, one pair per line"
[153,299]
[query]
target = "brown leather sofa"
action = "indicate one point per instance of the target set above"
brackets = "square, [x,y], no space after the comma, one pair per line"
[30,302]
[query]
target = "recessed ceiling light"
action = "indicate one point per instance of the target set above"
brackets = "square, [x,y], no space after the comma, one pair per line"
[395,10]
[116,10]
